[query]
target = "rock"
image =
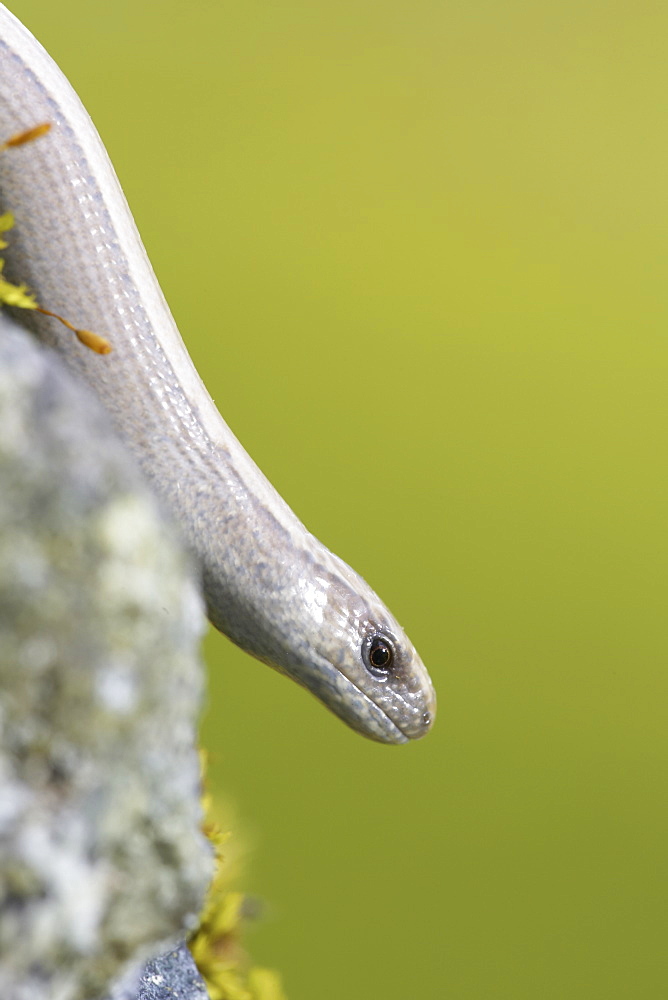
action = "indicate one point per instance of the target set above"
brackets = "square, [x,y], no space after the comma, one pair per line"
[102,863]
[172,976]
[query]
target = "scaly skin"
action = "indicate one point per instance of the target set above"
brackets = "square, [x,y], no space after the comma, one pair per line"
[270,585]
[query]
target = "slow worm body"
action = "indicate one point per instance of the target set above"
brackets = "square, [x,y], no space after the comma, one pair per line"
[270,585]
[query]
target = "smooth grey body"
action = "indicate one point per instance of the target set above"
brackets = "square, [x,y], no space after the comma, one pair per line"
[270,585]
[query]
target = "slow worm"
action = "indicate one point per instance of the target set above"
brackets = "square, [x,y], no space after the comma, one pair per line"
[269,584]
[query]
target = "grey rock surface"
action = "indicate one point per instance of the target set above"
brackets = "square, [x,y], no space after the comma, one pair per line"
[172,976]
[102,863]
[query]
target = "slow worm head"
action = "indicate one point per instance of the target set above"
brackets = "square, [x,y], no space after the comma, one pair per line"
[270,585]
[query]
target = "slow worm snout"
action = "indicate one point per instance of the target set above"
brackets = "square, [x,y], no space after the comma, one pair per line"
[270,585]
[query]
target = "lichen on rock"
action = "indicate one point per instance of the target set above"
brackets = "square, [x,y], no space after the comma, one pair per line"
[102,861]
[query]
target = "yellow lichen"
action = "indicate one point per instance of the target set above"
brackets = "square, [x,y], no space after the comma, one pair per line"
[15,295]
[216,945]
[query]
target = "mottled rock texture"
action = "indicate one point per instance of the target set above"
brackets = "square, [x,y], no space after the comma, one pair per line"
[101,860]
[172,976]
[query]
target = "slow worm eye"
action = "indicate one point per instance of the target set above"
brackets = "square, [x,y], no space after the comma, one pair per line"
[379,654]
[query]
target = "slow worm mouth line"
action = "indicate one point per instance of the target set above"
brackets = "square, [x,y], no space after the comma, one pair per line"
[378,710]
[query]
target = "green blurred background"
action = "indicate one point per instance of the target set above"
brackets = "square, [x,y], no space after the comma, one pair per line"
[419,254]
